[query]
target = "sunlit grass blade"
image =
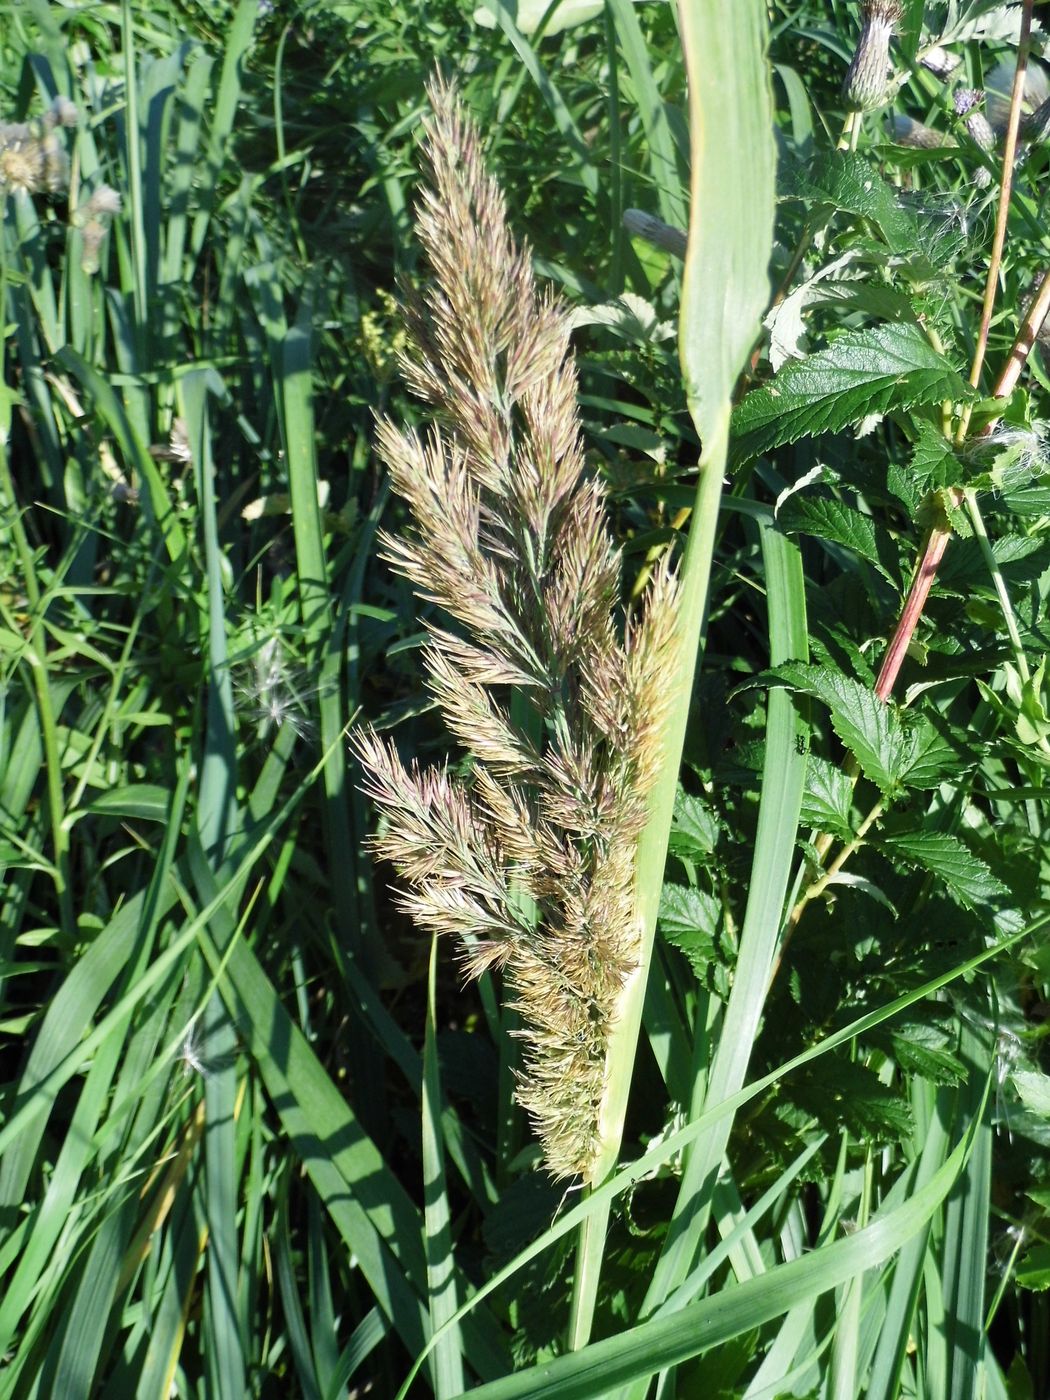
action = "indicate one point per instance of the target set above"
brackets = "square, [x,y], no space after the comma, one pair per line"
[724,294]
[447,1360]
[665,1341]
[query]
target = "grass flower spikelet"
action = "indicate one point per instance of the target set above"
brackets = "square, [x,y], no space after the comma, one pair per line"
[530,861]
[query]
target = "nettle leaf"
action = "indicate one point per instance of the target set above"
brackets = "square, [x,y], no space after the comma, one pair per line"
[828,519]
[967,879]
[934,465]
[921,1049]
[828,799]
[844,282]
[695,828]
[933,756]
[869,727]
[1021,558]
[851,1094]
[864,372]
[689,920]
[852,184]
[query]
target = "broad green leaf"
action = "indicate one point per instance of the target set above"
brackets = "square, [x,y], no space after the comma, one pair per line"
[868,726]
[1033,1089]
[923,1049]
[834,520]
[863,372]
[850,1093]
[932,756]
[828,799]
[967,879]
[785,322]
[934,464]
[1033,1272]
[689,920]
[695,829]
[849,182]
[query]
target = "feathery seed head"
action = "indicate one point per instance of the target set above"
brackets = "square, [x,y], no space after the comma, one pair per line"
[507,536]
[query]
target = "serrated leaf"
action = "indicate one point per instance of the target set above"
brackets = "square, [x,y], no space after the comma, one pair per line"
[629,316]
[967,879]
[828,519]
[689,920]
[934,466]
[841,282]
[828,798]
[931,756]
[857,1098]
[869,727]
[695,828]
[850,183]
[863,372]
[923,1050]
[1033,1089]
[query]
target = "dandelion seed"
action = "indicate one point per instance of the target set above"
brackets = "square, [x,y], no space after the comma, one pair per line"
[275,696]
[190,1052]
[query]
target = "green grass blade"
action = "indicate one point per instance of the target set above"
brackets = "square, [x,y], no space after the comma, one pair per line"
[640,1352]
[680,1141]
[364,1199]
[447,1360]
[889,1359]
[783,776]
[724,294]
[663,154]
[964,1247]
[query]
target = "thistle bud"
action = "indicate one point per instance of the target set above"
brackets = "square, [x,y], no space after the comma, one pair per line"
[866,84]
[1036,128]
[908,132]
[967,101]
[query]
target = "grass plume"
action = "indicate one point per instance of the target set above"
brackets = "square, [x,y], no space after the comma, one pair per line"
[508,538]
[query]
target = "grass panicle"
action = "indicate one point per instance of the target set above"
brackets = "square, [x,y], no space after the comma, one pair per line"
[508,537]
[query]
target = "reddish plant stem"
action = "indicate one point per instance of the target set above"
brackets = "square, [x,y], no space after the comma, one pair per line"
[937,539]
[936,544]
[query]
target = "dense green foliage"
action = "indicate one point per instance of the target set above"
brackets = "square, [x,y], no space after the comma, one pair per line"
[257,1136]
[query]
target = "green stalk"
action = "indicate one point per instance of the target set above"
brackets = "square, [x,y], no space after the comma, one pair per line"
[724,294]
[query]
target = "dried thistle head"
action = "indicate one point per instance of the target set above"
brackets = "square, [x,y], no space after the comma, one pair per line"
[866,83]
[529,863]
[32,158]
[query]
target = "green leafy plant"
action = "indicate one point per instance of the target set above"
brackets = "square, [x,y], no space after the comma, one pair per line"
[689,603]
